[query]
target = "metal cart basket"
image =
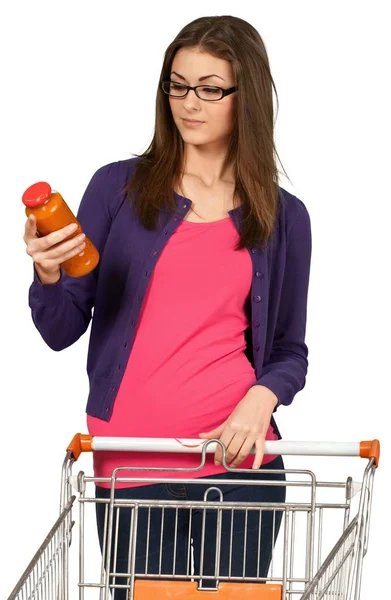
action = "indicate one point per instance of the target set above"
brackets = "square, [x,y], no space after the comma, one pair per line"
[318,555]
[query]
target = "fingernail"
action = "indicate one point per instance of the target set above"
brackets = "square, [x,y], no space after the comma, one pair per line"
[217,463]
[73,227]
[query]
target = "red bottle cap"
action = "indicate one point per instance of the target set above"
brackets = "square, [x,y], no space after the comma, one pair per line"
[36,194]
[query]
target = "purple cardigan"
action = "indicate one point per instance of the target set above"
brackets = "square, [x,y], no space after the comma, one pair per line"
[115,290]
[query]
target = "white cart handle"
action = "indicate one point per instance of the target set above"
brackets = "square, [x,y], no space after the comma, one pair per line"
[88,443]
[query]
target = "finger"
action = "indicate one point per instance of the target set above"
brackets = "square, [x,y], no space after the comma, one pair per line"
[30,228]
[225,438]
[259,453]
[56,237]
[39,249]
[235,448]
[50,264]
[57,252]
[243,451]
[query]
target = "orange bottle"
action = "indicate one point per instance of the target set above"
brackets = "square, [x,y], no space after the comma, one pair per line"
[52,213]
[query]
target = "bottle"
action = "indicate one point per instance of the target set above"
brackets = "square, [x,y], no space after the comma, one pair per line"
[52,213]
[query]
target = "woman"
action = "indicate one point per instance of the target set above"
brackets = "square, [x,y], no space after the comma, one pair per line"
[200,296]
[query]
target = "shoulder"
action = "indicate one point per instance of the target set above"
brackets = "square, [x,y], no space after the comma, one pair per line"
[110,179]
[117,172]
[293,214]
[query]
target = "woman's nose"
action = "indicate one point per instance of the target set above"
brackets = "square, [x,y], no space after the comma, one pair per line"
[191,99]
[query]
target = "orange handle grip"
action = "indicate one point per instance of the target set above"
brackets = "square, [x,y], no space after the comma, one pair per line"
[370,449]
[81,443]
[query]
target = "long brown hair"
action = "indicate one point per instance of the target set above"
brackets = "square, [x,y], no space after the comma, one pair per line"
[251,149]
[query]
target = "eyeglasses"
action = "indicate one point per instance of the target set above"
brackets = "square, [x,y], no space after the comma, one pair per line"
[210,93]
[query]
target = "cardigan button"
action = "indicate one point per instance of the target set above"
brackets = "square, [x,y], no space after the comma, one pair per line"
[257,298]
[258,274]
[256,323]
[256,348]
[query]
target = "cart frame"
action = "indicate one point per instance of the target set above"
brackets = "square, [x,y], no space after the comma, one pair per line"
[336,576]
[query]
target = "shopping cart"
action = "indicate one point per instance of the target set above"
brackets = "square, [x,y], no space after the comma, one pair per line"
[304,564]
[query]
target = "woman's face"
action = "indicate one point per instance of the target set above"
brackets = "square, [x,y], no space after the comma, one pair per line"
[190,66]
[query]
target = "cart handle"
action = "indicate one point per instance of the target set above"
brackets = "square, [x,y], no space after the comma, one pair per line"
[88,443]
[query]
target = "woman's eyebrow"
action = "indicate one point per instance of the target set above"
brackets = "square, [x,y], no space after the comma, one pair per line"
[200,79]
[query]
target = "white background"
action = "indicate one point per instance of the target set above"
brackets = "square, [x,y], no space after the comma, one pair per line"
[79,84]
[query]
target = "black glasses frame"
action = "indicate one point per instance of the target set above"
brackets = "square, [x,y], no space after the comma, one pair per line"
[225,92]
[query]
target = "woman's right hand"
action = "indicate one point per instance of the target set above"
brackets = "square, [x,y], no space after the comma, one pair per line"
[50,251]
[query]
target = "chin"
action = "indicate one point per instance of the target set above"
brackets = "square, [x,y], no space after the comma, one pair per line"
[191,140]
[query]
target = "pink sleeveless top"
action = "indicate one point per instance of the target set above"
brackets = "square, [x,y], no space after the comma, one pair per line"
[187,369]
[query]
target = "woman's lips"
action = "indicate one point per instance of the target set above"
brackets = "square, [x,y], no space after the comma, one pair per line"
[192,123]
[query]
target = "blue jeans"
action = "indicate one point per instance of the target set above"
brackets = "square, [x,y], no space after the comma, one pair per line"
[256,557]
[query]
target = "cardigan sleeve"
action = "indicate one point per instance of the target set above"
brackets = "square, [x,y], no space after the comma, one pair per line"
[286,369]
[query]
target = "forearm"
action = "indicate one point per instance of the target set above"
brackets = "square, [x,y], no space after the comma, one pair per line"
[265,395]
[56,315]
[45,277]
[285,366]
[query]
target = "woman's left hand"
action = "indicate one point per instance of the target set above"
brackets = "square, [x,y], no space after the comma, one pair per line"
[246,426]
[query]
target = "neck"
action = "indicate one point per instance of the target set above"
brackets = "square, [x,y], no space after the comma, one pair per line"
[207,165]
